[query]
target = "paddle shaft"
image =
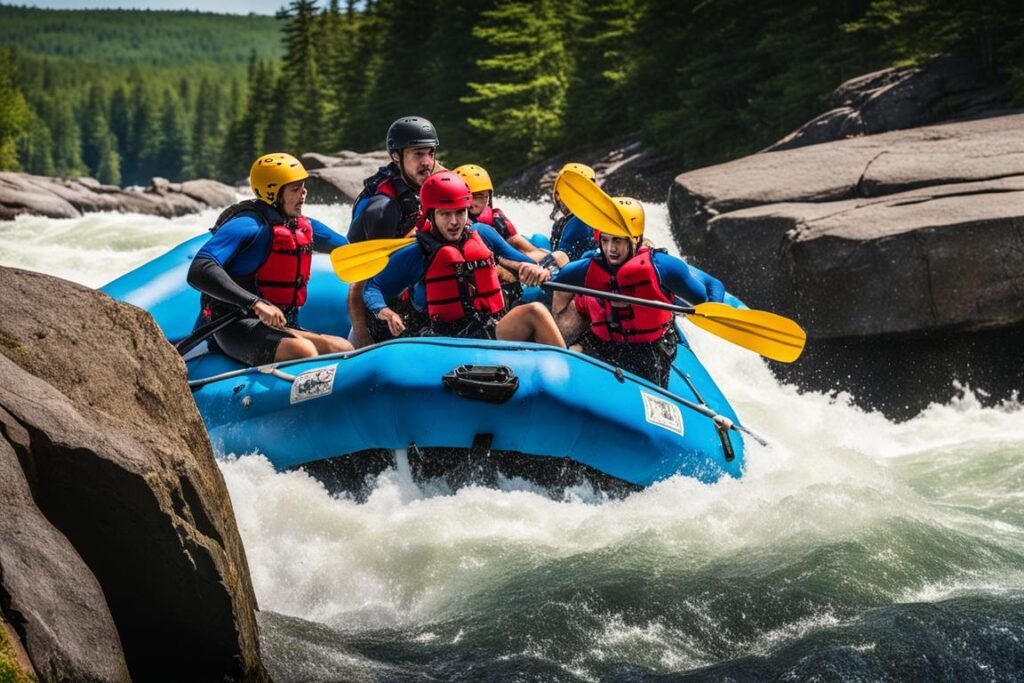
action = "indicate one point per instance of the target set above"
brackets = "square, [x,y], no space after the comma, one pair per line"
[207,331]
[612,296]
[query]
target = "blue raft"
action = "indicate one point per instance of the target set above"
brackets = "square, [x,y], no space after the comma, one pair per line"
[547,406]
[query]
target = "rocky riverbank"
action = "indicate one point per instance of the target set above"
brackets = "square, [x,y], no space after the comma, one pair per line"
[119,553]
[21,193]
[901,253]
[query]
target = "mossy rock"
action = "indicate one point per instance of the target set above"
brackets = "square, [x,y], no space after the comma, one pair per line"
[10,670]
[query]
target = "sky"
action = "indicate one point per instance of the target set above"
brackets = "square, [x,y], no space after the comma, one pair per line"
[220,6]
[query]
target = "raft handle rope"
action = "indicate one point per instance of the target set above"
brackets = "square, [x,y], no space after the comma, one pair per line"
[272,370]
[722,423]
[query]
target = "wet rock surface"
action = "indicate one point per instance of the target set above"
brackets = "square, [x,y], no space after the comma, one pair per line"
[21,193]
[111,470]
[338,178]
[624,167]
[911,242]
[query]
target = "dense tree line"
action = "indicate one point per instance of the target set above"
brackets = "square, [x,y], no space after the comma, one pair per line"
[125,95]
[506,83]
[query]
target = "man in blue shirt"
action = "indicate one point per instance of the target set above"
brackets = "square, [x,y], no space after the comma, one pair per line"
[258,260]
[637,338]
[451,272]
[389,205]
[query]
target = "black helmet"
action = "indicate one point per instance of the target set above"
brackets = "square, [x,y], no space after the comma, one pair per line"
[411,131]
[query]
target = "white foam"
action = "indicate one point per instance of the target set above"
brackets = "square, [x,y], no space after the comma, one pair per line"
[412,554]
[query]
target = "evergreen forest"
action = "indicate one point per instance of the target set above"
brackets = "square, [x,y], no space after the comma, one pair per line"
[123,95]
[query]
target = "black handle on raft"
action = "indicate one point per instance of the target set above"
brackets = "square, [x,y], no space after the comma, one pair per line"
[489,383]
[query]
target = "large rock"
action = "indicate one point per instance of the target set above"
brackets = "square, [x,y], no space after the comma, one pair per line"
[907,240]
[338,178]
[116,458]
[73,638]
[624,167]
[950,87]
[21,193]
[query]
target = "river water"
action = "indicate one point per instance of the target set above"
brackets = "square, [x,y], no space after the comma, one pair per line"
[853,549]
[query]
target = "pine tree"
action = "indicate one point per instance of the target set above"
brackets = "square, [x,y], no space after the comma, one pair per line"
[35,149]
[205,131]
[246,137]
[299,118]
[108,171]
[67,140]
[146,137]
[121,118]
[601,43]
[521,106]
[171,158]
[95,128]
[15,114]
[361,77]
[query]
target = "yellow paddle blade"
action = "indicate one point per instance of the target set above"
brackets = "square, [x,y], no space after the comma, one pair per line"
[371,247]
[593,206]
[362,260]
[358,272]
[768,334]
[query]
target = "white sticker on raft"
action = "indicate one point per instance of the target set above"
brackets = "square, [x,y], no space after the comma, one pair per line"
[313,384]
[663,413]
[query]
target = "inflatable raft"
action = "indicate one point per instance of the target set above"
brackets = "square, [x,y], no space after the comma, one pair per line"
[445,400]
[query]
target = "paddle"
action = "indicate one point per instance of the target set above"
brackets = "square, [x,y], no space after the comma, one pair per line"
[590,203]
[207,331]
[362,260]
[768,334]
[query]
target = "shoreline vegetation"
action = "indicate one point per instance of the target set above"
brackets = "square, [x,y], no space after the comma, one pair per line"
[125,95]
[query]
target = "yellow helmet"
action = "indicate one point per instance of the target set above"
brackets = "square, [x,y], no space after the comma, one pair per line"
[582,169]
[273,171]
[476,177]
[632,212]
[573,167]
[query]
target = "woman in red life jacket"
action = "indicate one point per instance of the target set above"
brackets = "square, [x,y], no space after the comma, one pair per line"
[451,271]
[636,338]
[258,259]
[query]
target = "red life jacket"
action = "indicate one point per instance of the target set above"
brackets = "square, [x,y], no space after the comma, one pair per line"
[497,220]
[626,324]
[388,182]
[282,278]
[460,279]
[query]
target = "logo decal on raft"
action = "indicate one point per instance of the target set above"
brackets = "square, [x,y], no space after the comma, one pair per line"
[663,413]
[313,384]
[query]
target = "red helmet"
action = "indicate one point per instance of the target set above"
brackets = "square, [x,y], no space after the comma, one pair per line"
[445,191]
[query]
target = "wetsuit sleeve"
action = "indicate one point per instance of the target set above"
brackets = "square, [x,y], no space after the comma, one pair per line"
[574,273]
[208,272]
[715,288]
[405,269]
[379,220]
[498,245]
[324,238]
[677,276]
[209,277]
